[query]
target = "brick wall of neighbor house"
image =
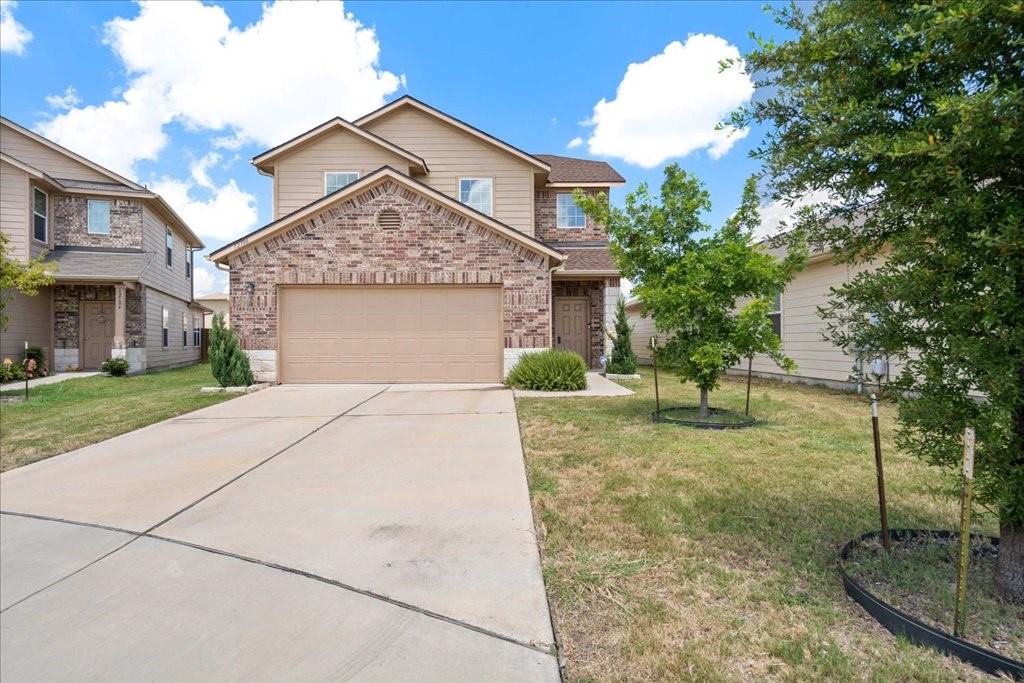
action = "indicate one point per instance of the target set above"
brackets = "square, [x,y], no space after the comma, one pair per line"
[344,245]
[593,290]
[71,223]
[66,323]
[545,206]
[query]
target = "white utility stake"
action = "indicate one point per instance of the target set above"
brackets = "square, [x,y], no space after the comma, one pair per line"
[960,616]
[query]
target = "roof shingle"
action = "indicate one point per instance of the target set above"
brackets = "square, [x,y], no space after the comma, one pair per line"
[571,170]
[589,259]
[90,265]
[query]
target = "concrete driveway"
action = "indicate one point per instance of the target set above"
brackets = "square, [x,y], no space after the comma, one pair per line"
[298,533]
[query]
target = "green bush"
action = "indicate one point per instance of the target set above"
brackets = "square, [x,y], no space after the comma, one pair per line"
[12,372]
[228,362]
[550,370]
[623,360]
[116,367]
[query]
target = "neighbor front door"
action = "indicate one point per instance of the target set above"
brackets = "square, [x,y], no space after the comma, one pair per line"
[572,329]
[97,332]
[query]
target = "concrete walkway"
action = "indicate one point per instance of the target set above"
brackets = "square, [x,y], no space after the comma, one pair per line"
[299,533]
[597,385]
[49,379]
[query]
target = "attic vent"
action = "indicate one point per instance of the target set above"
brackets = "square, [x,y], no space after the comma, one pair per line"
[388,219]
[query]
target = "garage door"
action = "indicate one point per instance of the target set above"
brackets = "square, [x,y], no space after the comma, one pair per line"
[390,334]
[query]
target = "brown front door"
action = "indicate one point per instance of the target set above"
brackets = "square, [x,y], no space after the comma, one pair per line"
[97,332]
[572,331]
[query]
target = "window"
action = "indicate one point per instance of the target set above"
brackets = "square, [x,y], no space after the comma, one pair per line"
[568,214]
[776,315]
[189,255]
[197,331]
[99,217]
[334,181]
[40,216]
[477,193]
[170,249]
[184,329]
[164,318]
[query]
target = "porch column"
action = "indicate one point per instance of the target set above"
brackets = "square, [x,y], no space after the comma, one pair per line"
[612,292]
[120,308]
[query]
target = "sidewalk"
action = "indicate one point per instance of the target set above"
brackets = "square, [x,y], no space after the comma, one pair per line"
[597,385]
[51,379]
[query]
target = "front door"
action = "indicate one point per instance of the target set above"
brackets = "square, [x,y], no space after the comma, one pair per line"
[97,332]
[572,331]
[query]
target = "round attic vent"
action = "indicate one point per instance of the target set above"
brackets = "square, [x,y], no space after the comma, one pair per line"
[388,219]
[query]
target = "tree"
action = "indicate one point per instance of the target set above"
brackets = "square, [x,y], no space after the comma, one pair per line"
[623,360]
[754,335]
[16,276]
[909,116]
[228,362]
[688,280]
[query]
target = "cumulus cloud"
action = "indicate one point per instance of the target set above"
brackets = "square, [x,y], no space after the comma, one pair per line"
[670,105]
[299,65]
[574,143]
[209,280]
[777,217]
[68,100]
[13,36]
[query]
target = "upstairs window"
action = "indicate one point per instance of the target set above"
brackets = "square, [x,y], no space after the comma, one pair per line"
[776,315]
[99,217]
[568,214]
[334,180]
[477,193]
[170,249]
[164,315]
[184,329]
[40,216]
[189,255]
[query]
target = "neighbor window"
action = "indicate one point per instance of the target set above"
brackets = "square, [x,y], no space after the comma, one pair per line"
[569,215]
[334,181]
[170,249]
[184,329]
[477,193]
[197,331]
[40,216]
[99,217]
[775,315]
[189,255]
[164,315]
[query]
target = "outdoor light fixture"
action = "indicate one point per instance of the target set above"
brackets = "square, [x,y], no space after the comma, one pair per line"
[250,287]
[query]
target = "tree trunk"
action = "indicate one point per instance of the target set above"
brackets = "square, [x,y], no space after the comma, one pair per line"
[1010,566]
[704,412]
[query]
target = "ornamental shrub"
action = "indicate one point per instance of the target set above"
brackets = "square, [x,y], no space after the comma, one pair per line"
[228,362]
[549,370]
[623,360]
[116,367]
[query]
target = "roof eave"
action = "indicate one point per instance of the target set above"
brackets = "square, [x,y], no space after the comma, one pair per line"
[570,274]
[589,183]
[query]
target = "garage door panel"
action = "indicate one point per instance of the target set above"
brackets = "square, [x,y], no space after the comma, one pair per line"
[390,334]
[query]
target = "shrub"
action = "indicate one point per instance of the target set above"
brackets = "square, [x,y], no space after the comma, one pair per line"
[549,370]
[623,360]
[11,371]
[116,367]
[228,362]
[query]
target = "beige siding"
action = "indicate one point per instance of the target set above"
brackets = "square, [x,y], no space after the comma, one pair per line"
[218,306]
[170,280]
[14,203]
[643,330]
[452,154]
[175,354]
[299,177]
[30,321]
[47,160]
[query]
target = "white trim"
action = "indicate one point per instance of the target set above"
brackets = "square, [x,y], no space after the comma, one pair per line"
[168,250]
[327,173]
[478,178]
[88,217]
[32,204]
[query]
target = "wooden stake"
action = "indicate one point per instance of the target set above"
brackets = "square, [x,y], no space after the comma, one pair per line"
[960,616]
[878,470]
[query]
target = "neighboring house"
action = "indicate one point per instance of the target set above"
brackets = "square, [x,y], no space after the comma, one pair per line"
[408,246]
[797,323]
[216,303]
[123,261]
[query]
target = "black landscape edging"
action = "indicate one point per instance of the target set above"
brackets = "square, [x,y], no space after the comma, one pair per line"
[900,623]
[657,416]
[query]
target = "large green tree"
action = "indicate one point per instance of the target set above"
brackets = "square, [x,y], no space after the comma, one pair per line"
[911,117]
[16,276]
[688,277]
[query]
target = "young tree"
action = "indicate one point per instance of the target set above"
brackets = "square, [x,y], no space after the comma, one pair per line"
[687,279]
[911,116]
[754,335]
[623,360]
[16,276]
[228,362]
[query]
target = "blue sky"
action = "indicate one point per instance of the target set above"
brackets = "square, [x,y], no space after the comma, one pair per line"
[180,96]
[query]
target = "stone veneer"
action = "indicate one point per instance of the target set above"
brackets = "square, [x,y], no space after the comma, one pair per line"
[71,223]
[593,290]
[343,245]
[546,219]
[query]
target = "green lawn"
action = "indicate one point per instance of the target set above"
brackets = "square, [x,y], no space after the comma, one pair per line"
[68,415]
[679,554]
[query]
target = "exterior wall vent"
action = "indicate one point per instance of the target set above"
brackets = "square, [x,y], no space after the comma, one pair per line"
[388,219]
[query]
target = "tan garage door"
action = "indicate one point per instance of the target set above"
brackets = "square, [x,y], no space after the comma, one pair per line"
[390,334]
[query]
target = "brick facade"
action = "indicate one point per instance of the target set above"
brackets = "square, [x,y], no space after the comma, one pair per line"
[67,300]
[71,223]
[433,245]
[593,290]
[546,219]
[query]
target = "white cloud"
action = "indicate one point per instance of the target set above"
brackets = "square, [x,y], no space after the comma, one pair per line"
[68,100]
[227,212]
[209,280]
[670,105]
[299,65]
[574,143]
[777,217]
[13,36]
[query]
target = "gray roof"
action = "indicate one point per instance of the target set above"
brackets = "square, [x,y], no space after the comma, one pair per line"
[73,264]
[93,185]
[573,170]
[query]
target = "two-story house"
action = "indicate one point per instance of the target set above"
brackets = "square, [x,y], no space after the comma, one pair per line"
[409,246]
[122,261]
